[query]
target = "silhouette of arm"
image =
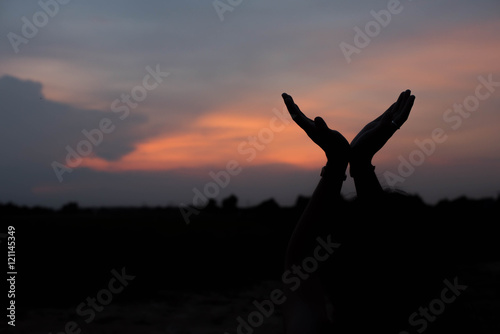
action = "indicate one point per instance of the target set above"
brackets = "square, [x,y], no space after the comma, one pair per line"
[371,139]
[305,308]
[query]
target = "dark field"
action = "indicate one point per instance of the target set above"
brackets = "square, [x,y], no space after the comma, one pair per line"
[144,270]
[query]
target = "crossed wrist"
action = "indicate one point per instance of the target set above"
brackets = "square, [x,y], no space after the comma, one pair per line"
[334,170]
[360,160]
[359,168]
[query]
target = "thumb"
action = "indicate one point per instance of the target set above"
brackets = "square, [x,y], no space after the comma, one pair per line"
[320,123]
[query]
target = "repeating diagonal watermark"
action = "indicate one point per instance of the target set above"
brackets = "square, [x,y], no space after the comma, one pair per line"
[419,321]
[30,28]
[373,28]
[92,305]
[120,106]
[221,179]
[223,6]
[292,278]
[453,117]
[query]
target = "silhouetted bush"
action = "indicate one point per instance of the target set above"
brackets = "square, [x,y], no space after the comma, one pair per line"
[223,246]
[230,203]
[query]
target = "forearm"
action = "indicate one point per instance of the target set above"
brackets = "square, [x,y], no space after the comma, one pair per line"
[318,215]
[365,180]
[305,309]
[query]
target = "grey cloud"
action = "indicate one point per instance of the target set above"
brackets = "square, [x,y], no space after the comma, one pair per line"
[36,130]
[260,46]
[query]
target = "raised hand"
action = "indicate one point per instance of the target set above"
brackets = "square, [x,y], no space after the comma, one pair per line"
[376,133]
[335,146]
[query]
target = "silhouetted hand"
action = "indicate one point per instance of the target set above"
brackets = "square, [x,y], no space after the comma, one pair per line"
[335,146]
[376,133]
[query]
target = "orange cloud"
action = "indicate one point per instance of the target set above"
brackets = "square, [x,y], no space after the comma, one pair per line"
[437,64]
[212,140]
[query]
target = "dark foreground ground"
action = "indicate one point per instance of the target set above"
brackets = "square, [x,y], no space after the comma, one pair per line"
[144,270]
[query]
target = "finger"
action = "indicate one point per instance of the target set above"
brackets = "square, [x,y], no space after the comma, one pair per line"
[405,111]
[320,123]
[297,115]
[293,109]
[400,102]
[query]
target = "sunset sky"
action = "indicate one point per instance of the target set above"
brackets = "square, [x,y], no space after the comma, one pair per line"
[161,100]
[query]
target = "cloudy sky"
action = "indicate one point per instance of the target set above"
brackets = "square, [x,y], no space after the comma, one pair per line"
[166,102]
